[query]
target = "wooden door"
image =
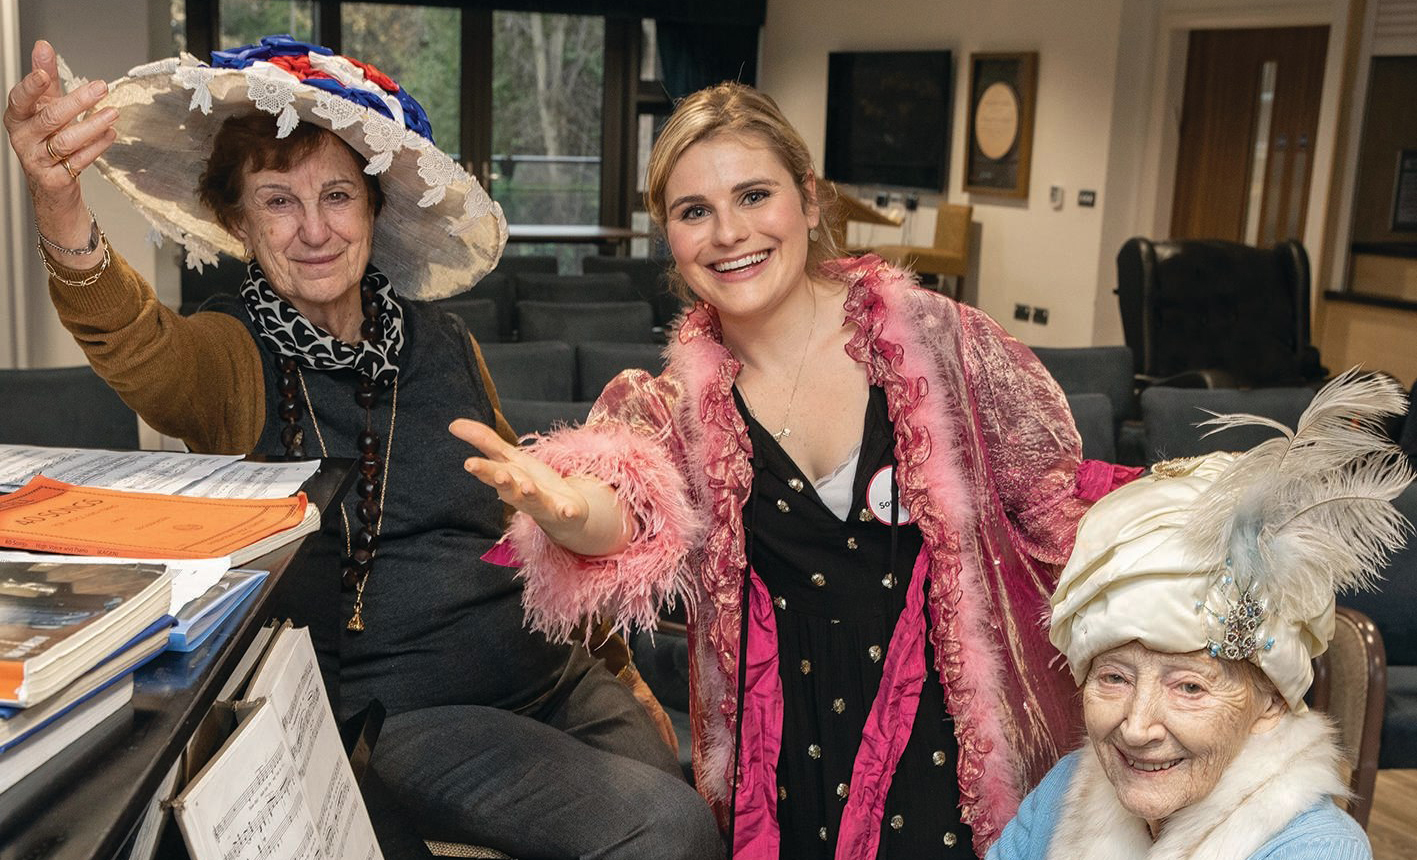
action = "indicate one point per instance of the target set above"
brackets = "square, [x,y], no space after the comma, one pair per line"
[1248,119]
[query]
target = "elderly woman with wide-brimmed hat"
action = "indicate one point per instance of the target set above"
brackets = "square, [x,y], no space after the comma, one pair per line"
[322,172]
[1190,611]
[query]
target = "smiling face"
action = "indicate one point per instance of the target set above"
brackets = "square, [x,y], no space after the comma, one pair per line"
[312,229]
[737,224]
[1165,726]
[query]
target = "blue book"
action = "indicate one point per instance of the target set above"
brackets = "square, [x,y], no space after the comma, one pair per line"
[199,616]
[18,724]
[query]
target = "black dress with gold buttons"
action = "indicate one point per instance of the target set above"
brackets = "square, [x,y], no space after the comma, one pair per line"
[837,592]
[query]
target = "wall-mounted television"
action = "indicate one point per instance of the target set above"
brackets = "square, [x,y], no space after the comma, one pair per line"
[888,118]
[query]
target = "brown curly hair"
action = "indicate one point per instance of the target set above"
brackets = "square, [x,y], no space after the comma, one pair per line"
[247,143]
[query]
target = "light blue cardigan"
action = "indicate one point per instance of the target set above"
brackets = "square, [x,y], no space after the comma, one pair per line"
[1322,832]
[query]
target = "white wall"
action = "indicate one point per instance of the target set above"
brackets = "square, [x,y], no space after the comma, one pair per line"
[1109,84]
[98,41]
[1028,252]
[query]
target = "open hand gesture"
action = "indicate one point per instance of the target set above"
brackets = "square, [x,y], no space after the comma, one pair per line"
[54,144]
[580,513]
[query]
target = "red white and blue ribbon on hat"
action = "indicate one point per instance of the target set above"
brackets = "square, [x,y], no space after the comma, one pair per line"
[346,77]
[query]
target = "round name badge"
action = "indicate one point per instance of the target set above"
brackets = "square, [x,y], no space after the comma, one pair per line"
[878,498]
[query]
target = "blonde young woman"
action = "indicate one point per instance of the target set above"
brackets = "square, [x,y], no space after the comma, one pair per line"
[860,489]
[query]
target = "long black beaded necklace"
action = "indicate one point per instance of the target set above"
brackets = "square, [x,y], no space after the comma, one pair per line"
[359,548]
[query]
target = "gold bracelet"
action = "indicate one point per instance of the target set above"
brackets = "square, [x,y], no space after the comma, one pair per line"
[91,279]
[95,236]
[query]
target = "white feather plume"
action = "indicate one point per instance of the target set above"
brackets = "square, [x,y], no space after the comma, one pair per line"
[1301,516]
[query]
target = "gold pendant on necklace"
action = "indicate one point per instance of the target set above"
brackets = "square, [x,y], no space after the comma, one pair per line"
[356,622]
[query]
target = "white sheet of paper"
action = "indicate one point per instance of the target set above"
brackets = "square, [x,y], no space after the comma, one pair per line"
[246,480]
[134,471]
[290,680]
[248,803]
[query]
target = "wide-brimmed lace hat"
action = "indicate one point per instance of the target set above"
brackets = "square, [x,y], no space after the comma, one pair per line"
[1241,554]
[438,232]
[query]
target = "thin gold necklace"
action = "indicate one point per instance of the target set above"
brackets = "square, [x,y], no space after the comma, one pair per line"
[796,380]
[356,619]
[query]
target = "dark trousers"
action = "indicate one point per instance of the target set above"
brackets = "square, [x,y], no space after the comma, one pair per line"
[584,775]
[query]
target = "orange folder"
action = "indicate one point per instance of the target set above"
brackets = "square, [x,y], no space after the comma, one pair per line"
[51,516]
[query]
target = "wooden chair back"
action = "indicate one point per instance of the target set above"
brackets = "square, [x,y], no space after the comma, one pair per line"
[1350,685]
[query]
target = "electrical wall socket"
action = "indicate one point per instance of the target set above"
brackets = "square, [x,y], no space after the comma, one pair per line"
[1040,316]
[1021,312]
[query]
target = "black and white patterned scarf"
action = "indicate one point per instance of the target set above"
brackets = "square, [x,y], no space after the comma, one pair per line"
[286,331]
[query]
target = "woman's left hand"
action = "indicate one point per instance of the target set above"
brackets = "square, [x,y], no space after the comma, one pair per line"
[581,514]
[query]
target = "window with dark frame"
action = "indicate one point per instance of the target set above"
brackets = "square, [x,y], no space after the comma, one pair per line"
[523,124]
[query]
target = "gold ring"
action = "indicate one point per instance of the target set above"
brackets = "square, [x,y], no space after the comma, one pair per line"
[73,174]
[49,148]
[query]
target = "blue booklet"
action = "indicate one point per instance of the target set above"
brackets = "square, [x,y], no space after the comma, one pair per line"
[17,724]
[200,615]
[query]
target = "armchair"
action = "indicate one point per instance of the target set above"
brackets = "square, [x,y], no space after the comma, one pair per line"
[64,407]
[1350,682]
[1218,314]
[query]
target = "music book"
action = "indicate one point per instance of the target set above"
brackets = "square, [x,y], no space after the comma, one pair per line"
[51,516]
[280,787]
[58,621]
[19,724]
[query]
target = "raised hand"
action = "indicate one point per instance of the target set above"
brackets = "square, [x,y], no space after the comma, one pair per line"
[55,142]
[580,513]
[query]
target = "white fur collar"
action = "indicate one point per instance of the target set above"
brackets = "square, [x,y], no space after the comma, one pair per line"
[1278,775]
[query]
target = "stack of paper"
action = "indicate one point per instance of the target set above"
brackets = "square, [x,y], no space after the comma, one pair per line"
[106,548]
[68,634]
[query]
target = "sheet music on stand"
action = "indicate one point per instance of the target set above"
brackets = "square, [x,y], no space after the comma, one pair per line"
[280,787]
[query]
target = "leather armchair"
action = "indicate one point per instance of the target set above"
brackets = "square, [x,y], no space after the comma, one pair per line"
[1208,313]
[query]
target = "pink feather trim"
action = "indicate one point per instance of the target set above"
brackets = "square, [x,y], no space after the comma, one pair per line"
[564,589]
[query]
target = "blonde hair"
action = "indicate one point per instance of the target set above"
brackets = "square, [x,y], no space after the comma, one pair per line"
[734,108]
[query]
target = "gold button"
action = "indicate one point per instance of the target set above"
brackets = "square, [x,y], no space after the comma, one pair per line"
[822,834]
[780,602]
[783,506]
[818,580]
[950,840]
[814,751]
[938,758]
[897,822]
[781,793]
[865,515]
[842,790]
[851,543]
[838,705]
[874,652]
[795,483]
[806,667]
[888,580]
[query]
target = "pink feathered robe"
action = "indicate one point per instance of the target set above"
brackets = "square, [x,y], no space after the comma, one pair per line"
[989,462]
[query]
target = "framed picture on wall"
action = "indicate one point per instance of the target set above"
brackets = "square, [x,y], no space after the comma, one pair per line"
[1002,88]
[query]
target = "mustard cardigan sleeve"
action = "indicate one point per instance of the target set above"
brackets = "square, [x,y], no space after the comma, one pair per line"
[196,378]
